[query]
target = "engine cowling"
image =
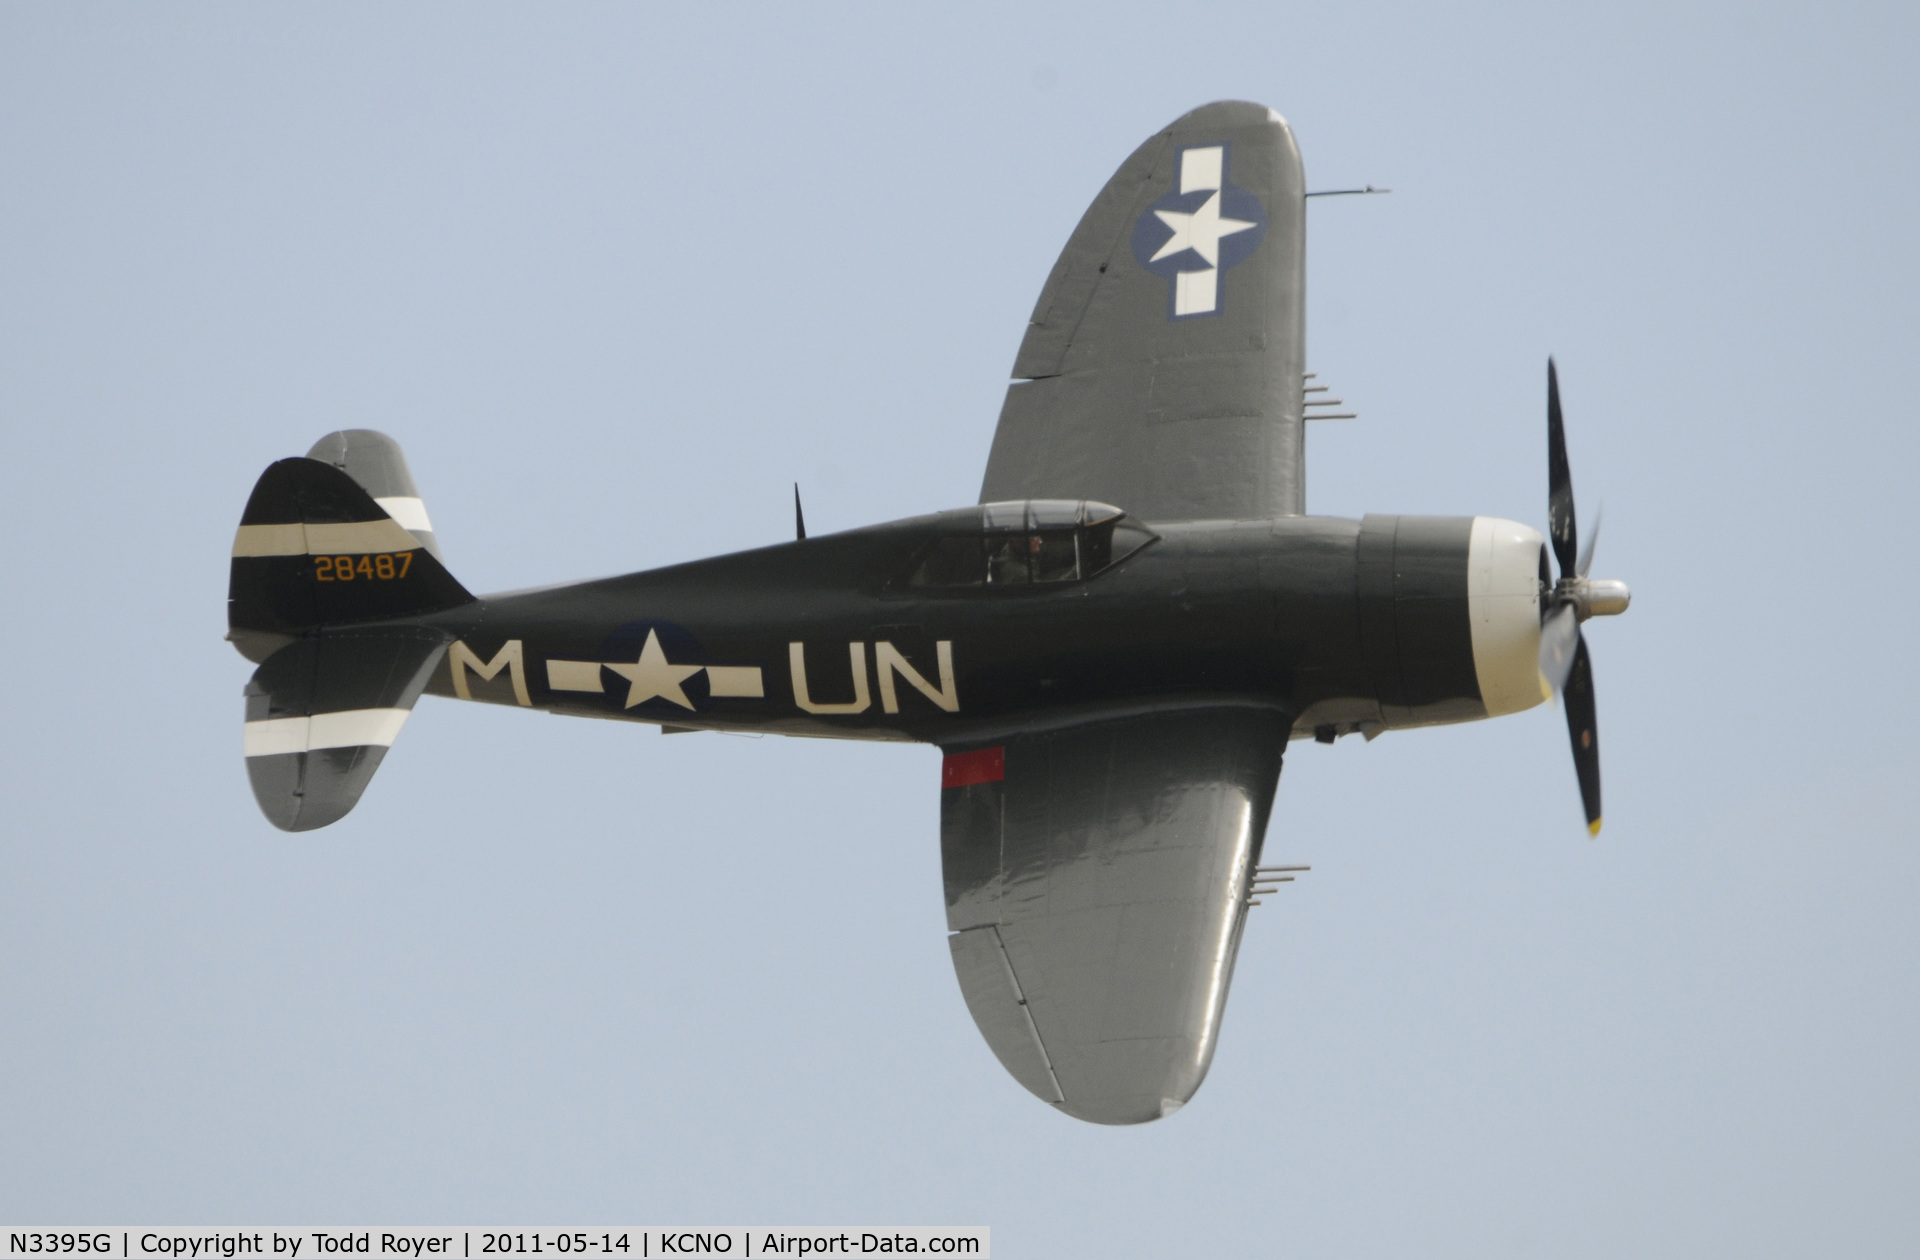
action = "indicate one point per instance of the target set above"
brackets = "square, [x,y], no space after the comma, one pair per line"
[1449,617]
[1504,560]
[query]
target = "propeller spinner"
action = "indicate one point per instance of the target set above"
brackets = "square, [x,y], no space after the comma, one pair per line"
[1564,660]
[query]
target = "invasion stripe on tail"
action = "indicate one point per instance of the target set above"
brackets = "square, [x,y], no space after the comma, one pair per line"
[356,538]
[408,510]
[353,728]
[321,714]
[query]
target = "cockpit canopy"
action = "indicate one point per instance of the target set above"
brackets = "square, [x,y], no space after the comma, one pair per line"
[1027,542]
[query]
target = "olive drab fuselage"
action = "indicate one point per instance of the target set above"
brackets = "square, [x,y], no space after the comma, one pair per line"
[833,636]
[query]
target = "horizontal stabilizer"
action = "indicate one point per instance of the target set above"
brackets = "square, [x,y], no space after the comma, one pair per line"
[314,549]
[321,714]
[377,463]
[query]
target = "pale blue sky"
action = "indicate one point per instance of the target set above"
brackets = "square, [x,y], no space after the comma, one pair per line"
[615,276]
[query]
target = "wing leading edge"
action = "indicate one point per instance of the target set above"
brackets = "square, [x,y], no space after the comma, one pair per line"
[1096,885]
[1163,365]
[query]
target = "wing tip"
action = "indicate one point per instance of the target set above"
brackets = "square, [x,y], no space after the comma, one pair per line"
[1231,111]
[1125,1109]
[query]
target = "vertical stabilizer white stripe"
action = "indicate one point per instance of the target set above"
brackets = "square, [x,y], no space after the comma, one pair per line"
[271,540]
[354,538]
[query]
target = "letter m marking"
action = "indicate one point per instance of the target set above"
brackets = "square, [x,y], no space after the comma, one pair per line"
[510,657]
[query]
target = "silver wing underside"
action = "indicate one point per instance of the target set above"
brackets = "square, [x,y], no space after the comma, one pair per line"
[1097,876]
[1163,367]
[1096,895]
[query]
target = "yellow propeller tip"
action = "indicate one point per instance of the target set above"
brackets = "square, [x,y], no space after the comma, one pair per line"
[1593,828]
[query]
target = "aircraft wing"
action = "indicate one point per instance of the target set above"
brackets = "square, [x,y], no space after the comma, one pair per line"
[1096,884]
[1163,367]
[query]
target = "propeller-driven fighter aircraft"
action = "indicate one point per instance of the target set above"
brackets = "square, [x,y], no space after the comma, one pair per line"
[1113,648]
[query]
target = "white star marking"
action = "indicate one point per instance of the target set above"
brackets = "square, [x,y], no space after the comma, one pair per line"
[653,676]
[1200,231]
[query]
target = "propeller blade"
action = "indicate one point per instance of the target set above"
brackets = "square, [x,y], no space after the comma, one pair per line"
[1582,727]
[1559,480]
[1586,552]
[1559,642]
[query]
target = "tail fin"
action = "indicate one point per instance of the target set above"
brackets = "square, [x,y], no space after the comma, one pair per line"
[329,547]
[316,549]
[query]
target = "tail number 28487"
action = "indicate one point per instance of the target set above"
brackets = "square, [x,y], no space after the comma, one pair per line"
[362,568]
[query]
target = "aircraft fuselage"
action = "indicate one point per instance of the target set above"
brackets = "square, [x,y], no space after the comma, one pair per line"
[1344,625]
